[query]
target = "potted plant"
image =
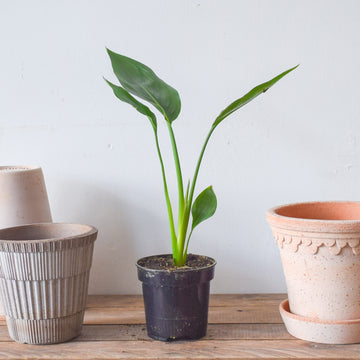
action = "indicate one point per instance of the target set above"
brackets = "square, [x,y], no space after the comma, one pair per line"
[176,286]
[319,244]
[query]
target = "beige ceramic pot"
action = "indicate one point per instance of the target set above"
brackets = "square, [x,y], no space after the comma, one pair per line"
[320,250]
[44,280]
[23,198]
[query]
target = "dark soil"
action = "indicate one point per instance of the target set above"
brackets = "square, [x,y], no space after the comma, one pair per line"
[165,262]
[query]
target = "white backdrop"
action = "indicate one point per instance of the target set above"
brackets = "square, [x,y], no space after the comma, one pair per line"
[298,142]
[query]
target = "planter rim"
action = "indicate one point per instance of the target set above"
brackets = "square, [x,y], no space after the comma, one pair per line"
[303,223]
[284,309]
[178,270]
[17,169]
[90,230]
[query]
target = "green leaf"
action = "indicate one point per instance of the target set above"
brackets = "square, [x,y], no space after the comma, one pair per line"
[123,95]
[252,94]
[141,81]
[204,206]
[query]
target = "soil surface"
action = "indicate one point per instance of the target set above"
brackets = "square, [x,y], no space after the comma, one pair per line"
[165,262]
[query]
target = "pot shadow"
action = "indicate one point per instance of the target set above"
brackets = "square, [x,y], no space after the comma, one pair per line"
[113,268]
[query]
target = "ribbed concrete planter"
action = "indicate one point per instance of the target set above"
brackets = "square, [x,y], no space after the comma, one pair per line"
[320,251]
[23,198]
[44,280]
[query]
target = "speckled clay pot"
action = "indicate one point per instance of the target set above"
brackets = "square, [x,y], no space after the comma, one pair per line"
[323,331]
[320,250]
[44,280]
[23,198]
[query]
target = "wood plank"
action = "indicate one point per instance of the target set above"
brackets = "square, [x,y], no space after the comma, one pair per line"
[215,331]
[211,349]
[217,315]
[128,309]
[229,300]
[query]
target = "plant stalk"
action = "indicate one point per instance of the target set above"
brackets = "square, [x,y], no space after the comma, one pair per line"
[178,174]
[191,194]
[182,231]
[168,202]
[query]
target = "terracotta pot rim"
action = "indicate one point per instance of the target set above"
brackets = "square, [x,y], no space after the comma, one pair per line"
[273,210]
[305,223]
[18,169]
[285,310]
[88,231]
[179,270]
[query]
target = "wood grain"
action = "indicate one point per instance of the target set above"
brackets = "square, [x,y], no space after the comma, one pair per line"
[215,331]
[224,300]
[211,349]
[240,327]
[217,315]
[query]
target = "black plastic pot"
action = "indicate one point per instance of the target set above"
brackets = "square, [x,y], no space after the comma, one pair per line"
[176,301]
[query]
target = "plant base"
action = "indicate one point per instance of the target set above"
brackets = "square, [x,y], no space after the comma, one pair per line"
[176,301]
[320,331]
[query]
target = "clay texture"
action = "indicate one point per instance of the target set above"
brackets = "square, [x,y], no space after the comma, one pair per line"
[44,280]
[322,331]
[23,196]
[319,248]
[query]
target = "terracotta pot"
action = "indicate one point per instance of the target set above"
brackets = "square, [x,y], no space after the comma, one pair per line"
[176,301]
[44,280]
[320,250]
[323,331]
[23,198]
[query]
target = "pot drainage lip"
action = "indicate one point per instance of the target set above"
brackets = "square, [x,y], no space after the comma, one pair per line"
[321,331]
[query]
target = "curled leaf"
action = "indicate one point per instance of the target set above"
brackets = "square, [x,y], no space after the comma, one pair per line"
[141,81]
[123,95]
[204,206]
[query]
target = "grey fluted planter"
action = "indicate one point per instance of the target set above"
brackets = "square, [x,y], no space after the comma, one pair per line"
[23,198]
[44,276]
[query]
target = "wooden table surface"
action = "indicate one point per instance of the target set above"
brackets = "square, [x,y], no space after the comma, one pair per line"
[240,327]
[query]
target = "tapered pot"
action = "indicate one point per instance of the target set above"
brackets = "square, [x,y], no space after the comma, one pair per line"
[44,280]
[319,245]
[177,300]
[23,198]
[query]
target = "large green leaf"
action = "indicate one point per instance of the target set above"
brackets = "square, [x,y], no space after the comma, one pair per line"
[252,94]
[123,95]
[141,81]
[204,206]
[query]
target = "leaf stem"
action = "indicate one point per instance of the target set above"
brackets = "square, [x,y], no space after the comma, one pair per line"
[168,202]
[191,194]
[187,245]
[185,220]
[178,173]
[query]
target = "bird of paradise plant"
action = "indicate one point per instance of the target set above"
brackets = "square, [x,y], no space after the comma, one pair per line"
[139,80]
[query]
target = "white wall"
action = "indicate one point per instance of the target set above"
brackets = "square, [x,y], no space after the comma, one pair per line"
[300,141]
